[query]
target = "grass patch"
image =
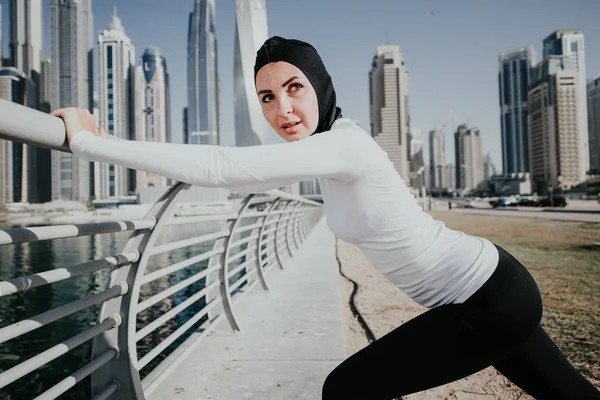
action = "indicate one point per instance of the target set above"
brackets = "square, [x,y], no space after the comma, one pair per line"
[567,269]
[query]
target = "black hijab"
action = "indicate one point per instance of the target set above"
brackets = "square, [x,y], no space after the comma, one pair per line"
[304,57]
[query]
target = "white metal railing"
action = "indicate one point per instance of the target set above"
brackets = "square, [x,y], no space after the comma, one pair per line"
[260,235]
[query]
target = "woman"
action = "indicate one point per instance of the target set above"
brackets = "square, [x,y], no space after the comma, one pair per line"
[484,307]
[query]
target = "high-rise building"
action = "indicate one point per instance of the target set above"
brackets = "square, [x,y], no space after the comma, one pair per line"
[437,159]
[1,42]
[417,163]
[45,91]
[116,61]
[489,169]
[554,106]
[186,138]
[450,176]
[26,36]
[15,86]
[26,52]
[152,116]
[388,94]
[514,78]
[570,43]
[469,158]
[72,42]
[593,107]
[202,77]
[251,32]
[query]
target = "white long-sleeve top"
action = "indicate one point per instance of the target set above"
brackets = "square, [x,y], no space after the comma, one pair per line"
[366,201]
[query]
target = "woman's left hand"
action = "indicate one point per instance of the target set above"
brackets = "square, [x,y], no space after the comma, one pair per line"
[77,120]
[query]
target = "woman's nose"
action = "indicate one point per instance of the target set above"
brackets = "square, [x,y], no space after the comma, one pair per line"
[285,105]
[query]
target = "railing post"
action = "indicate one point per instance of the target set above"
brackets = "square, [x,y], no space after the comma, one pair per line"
[261,275]
[224,270]
[123,369]
[282,223]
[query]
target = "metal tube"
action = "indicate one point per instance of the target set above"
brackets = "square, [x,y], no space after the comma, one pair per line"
[43,358]
[27,235]
[40,129]
[77,376]
[20,328]
[43,278]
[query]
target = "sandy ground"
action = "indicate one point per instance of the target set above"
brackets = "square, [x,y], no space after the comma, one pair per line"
[384,308]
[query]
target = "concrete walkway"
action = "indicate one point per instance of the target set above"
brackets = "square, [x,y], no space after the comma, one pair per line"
[290,339]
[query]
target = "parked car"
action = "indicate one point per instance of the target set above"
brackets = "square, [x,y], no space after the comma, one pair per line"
[555,201]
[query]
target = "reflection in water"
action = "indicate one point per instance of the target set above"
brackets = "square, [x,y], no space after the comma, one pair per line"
[24,259]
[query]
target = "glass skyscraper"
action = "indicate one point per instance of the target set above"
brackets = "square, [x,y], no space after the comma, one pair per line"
[202,82]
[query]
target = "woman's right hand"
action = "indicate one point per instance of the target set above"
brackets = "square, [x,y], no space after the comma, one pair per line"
[77,120]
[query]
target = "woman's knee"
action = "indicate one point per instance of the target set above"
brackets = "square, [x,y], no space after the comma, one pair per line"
[333,386]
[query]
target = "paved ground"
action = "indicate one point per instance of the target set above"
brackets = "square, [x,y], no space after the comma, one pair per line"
[291,337]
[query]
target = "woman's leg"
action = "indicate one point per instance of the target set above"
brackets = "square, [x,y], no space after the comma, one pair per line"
[498,325]
[430,350]
[540,368]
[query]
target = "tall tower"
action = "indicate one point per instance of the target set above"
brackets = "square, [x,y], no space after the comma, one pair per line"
[570,44]
[72,42]
[151,111]
[593,106]
[388,95]
[26,36]
[116,60]
[469,158]
[514,78]
[251,32]
[202,77]
[437,159]
[554,106]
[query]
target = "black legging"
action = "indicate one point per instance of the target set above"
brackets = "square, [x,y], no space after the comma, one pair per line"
[499,325]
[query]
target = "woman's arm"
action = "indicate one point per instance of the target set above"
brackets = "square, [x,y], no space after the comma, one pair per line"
[334,154]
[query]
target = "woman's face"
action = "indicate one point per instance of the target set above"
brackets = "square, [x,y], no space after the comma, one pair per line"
[288,100]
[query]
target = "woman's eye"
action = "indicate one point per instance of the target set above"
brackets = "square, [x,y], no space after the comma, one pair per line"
[267,98]
[295,86]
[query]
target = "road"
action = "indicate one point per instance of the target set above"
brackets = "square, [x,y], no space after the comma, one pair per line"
[555,215]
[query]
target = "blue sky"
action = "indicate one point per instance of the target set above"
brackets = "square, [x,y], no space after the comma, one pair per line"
[450,47]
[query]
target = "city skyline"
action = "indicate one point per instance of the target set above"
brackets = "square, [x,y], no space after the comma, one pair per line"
[434,95]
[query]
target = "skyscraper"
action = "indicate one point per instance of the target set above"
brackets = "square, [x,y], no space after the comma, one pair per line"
[45,91]
[202,77]
[570,43]
[469,158]
[72,42]
[251,32]
[1,42]
[152,116]
[593,106]
[15,86]
[26,53]
[388,94]
[514,78]
[26,36]
[116,60]
[417,163]
[554,106]
[437,159]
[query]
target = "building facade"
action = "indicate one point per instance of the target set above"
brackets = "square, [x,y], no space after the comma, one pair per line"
[202,76]
[72,42]
[388,97]
[116,61]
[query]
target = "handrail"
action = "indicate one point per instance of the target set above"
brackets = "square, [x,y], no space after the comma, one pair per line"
[247,244]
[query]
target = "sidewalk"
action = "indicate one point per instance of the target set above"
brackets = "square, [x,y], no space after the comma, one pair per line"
[291,337]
